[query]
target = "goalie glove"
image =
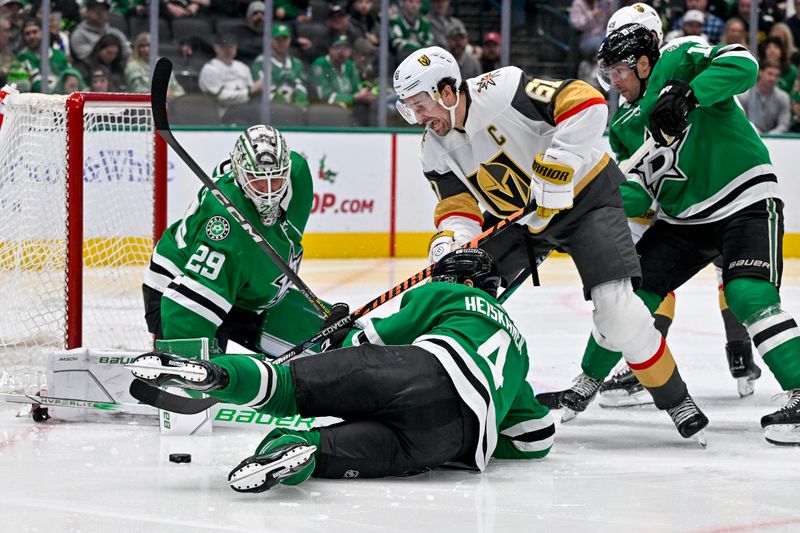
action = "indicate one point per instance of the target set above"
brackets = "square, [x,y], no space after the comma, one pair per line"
[335,339]
[552,181]
[441,244]
[669,117]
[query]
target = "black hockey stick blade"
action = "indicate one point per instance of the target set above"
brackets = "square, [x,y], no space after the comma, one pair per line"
[158,103]
[167,401]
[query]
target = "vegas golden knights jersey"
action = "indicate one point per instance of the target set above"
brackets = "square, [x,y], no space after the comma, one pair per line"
[510,118]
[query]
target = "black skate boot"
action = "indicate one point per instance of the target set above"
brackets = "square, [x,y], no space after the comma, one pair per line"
[163,369]
[783,426]
[689,419]
[742,366]
[284,460]
[573,400]
[623,390]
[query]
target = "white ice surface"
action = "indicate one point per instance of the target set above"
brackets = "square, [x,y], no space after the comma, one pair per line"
[610,470]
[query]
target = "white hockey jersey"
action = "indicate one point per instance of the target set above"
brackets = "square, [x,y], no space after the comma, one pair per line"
[510,118]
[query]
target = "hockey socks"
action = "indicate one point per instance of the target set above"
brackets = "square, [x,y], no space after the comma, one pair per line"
[774,332]
[258,384]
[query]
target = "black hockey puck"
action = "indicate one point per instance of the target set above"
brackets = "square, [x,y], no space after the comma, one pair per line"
[180,457]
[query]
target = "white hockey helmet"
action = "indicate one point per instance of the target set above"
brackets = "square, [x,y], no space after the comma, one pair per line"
[638,13]
[262,167]
[421,72]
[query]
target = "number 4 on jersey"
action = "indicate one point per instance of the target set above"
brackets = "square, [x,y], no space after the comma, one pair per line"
[499,343]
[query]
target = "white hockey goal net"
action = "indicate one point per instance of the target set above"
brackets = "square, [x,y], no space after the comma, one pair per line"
[82,195]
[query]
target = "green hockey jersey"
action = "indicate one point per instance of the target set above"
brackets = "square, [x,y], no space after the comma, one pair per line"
[720,165]
[485,356]
[205,263]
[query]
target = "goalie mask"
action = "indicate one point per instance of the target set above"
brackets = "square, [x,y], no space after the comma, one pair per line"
[262,167]
[468,263]
[416,81]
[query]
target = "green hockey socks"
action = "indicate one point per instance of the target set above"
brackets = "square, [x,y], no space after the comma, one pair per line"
[281,436]
[258,384]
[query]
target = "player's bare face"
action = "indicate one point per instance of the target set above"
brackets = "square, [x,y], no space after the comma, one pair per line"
[624,80]
[429,112]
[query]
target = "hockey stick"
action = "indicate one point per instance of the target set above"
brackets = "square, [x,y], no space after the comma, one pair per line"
[48,401]
[158,102]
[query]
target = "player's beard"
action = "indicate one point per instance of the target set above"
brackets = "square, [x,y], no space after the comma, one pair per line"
[440,126]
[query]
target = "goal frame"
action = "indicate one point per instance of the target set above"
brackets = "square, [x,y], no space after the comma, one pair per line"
[75,105]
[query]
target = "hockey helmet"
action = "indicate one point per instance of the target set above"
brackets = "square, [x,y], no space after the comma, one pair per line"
[625,46]
[468,263]
[421,72]
[638,13]
[262,166]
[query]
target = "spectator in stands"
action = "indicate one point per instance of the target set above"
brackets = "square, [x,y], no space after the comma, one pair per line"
[408,31]
[31,59]
[768,14]
[334,79]
[137,71]
[173,9]
[339,25]
[69,82]
[251,41]
[59,39]
[12,11]
[288,75]
[734,32]
[100,80]
[457,42]
[794,22]
[712,24]
[291,10]
[490,56]
[794,103]
[227,79]
[590,17]
[441,22]
[6,55]
[107,52]
[692,24]
[765,104]
[782,31]
[773,51]
[94,26]
[69,13]
[364,23]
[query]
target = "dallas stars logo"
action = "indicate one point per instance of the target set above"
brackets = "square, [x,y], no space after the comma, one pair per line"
[661,166]
[326,174]
[218,228]
[282,282]
[486,80]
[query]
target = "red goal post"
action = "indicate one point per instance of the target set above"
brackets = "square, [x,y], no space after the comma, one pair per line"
[83,187]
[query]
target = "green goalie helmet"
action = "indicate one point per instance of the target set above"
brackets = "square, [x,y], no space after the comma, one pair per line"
[474,264]
[262,166]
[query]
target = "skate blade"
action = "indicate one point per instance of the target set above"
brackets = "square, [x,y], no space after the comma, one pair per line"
[745,386]
[151,368]
[783,434]
[568,415]
[254,475]
[613,401]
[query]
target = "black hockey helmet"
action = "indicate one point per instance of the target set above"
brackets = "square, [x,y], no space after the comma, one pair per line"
[468,263]
[626,45]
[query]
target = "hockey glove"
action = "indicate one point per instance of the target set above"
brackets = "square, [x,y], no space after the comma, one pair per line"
[551,183]
[441,244]
[668,119]
[335,340]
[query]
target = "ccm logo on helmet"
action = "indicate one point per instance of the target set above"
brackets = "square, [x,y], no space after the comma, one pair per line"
[425,61]
[550,172]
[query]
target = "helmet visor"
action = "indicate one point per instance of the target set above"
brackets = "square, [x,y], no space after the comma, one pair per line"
[413,107]
[608,74]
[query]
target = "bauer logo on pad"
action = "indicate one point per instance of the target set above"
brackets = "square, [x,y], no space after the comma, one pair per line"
[218,228]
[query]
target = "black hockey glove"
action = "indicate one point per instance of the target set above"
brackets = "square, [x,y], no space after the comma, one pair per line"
[335,340]
[668,119]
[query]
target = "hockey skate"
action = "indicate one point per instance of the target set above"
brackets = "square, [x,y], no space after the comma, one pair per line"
[573,400]
[783,426]
[286,459]
[742,366]
[623,390]
[689,419]
[163,369]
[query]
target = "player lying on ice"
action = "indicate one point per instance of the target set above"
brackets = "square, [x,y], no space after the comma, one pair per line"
[208,278]
[440,381]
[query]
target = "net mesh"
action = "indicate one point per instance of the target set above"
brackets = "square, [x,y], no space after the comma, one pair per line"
[117,215]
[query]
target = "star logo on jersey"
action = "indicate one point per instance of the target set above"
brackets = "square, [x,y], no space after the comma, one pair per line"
[283,283]
[486,80]
[503,186]
[660,166]
[218,228]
